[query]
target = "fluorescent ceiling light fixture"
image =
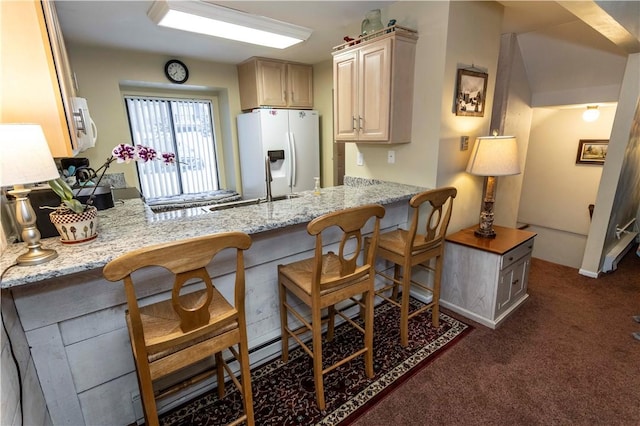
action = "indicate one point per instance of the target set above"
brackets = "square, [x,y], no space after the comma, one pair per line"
[210,19]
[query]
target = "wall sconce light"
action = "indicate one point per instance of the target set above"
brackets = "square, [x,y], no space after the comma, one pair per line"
[591,114]
[218,21]
[25,158]
[492,156]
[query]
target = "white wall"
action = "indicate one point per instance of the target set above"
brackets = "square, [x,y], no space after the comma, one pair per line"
[101,74]
[323,102]
[556,191]
[618,198]
[511,115]
[448,39]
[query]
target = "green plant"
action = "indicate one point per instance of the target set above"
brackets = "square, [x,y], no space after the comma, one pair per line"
[64,191]
[122,153]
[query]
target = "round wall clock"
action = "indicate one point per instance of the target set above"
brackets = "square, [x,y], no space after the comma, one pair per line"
[176,71]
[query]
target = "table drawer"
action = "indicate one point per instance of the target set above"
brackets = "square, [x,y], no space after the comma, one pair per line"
[512,256]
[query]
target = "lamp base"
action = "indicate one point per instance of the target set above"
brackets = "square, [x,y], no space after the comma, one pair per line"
[26,218]
[36,256]
[485,233]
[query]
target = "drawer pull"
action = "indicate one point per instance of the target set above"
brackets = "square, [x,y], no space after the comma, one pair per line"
[530,247]
[511,258]
[515,282]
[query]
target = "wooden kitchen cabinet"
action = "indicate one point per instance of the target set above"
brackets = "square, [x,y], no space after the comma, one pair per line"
[485,279]
[373,87]
[272,83]
[36,77]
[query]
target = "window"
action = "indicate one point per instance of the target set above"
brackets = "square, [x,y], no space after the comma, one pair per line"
[182,126]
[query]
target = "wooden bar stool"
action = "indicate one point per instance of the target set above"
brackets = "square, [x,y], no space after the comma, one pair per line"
[328,278]
[409,248]
[169,335]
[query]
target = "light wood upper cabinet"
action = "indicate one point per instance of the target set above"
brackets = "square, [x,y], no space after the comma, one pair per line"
[272,83]
[36,85]
[373,83]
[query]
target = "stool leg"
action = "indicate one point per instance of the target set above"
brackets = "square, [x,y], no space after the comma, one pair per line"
[317,356]
[396,277]
[220,374]
[247,395]
[284,336]
[146,391]
[435,310]
[404,309]
[368,333]
[332,321]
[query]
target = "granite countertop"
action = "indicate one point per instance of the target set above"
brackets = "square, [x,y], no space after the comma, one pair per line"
[131,224]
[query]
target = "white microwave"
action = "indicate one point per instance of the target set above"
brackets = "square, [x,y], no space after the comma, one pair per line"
[86,130]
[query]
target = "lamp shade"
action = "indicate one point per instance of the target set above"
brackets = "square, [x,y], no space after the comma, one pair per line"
[494,156]
[25,156]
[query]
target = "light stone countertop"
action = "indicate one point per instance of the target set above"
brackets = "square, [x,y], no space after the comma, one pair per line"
[131,225]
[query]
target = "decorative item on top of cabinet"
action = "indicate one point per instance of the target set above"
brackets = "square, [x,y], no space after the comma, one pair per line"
[373,84]
[276,84]
[37,87]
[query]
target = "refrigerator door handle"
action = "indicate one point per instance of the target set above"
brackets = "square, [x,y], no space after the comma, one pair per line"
[292,159]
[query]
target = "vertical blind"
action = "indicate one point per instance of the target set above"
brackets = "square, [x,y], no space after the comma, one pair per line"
[181,126]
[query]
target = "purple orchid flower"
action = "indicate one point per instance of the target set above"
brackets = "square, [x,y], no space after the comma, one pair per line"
[124,153]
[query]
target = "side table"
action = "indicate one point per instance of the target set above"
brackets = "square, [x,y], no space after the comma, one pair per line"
[485,279]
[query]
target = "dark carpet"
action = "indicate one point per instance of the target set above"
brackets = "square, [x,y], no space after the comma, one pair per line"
[565,357]
[284,394]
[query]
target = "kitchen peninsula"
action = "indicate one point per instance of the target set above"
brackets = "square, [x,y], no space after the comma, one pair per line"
[74,319]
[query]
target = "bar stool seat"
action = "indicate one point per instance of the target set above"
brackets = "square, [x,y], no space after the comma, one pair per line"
[170,335]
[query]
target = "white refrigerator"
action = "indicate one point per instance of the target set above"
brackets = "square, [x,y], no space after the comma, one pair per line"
[289,139]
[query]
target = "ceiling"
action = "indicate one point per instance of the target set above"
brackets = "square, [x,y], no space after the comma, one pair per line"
[124,24]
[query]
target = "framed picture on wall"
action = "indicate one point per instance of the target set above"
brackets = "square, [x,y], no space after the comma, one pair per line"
[592,151]
[471,93]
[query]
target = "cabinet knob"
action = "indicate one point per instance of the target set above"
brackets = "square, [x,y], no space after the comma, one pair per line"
[529,247]
[511,258]
[515,282]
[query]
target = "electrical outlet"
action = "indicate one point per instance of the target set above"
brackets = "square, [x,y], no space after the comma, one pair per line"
[360,159]
[391,157]
[464,143]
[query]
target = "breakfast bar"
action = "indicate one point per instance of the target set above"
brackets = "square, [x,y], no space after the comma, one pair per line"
[74,319]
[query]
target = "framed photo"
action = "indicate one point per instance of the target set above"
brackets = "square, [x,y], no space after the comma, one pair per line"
[471,93]
[592,151]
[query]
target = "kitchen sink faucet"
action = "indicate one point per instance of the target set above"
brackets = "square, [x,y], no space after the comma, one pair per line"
[268,178]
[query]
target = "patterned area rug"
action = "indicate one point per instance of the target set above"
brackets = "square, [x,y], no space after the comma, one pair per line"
[283,394]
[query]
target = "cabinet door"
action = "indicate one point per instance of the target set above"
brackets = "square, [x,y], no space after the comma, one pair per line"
[345,96]
[300,86]
[31,91]
[503,296]
[374,87]
[512,284]
[272,83]
[519,280]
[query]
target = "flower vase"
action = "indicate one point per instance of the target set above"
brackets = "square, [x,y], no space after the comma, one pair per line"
[76,228]
[372,22]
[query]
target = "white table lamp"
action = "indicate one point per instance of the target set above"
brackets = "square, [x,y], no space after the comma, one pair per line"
[492,156]
[25,158]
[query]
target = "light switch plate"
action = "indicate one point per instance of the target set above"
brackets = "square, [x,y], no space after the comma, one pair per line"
[464,143]
[360,159]
[391,157]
